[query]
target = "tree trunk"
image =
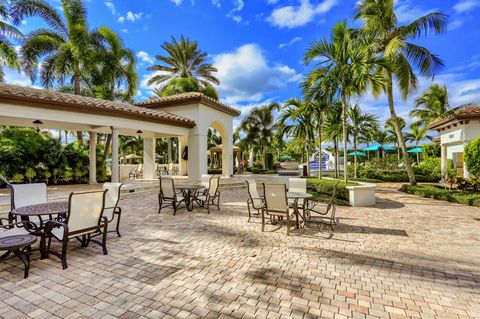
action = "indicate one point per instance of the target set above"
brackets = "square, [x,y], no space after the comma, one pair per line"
[355,155]
[106,149]
[335,155]
[319,151]
[344,124]
[264,157]
[396,124]
[308,160]
[77,91]
[169,150]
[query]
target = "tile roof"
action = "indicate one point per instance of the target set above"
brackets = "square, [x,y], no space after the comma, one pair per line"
[460,113]
[189,97]
[20,93]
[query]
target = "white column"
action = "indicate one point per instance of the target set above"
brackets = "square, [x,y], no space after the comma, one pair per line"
[197,156]
[93,158]
[149,158]
[444,161]
[227,155]
[182,143]
[115,167]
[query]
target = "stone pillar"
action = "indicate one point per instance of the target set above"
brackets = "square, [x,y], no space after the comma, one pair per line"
[93,158]
[227,155]
[197,156]
[444,162]
[115,167]
[182,143]
[149,158]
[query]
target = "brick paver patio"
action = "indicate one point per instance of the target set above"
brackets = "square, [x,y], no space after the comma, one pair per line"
[406,257]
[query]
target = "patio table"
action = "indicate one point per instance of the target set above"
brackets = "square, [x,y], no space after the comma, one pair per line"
[44,212]
[296,196]
[189,192]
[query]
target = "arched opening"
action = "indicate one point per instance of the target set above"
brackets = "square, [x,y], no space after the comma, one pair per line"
[220,157]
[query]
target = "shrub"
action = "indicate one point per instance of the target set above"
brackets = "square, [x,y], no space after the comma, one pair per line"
[472,156]
[431,150]
[325,187]
[438,192]
[215,171]
[256,170]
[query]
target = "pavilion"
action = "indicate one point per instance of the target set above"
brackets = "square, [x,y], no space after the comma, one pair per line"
[186,116]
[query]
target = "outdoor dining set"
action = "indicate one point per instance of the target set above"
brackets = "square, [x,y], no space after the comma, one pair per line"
[85,216]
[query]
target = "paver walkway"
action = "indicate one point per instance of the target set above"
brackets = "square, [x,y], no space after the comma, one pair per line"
[406,257]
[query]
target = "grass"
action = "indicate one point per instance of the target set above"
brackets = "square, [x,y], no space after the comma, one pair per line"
[440,193]
[321,189]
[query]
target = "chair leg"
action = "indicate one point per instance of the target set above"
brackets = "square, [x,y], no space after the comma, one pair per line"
[174,207]
[218,201]
[25,259]
[208,205]
[263,220]
[249,213]
[64,253]
[104,239]
[119,213]
[288,223]
[159,203]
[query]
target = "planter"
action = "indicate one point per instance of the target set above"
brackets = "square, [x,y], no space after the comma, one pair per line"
[362,195]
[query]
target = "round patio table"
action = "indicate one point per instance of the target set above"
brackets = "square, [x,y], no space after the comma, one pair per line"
[296,196]
[189,192]
[16,245]
[44,212]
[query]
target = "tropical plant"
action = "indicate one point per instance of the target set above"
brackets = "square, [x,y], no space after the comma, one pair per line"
[344,67]
[472,158]
[390,127]
[183,60]
[431,105]
[64,48]
[333,128]
[359,123]
[8,55]
[384,34]
[259,128]
[416,135]
[184,85]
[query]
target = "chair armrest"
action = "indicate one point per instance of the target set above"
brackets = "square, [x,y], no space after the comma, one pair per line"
[54,224]
[29,226]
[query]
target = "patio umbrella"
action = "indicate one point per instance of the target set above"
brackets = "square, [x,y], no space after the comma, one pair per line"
[108,160]
[358,154]
[285,157]
[415,150]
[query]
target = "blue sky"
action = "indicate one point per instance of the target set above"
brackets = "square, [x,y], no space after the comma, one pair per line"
[258,45]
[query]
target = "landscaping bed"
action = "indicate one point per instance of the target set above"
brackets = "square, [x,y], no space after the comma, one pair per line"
[440,193]
[321,189]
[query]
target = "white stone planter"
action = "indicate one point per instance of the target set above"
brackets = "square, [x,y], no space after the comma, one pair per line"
[362,195]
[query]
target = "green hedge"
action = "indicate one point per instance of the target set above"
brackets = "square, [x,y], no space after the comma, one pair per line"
[263,171]
[321,189]
[440,193]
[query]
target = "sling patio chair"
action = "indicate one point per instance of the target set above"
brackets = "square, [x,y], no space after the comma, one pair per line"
[255,201]
[84,219]
[168,196]
[209,195]
[298,185]
[276,204]
[25,195]
[327,214]
[112,209]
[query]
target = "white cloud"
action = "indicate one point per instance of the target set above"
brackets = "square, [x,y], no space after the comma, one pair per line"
[216,3]
[464,6]
[235,18]
[131,16]
[238,5]
[145,57]
[296,16]
[272,1]
[124,30]
[245,74]
[17,78]
[177,2]
[406,13]
[289,43]
[111,6]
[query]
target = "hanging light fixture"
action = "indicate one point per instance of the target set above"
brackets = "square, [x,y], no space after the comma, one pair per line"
[37,124]
[139,132]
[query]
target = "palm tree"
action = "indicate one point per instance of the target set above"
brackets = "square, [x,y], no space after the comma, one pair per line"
[431,105]
[186,61]
[359,123]
[382,138]
[296,121]
[344,68]
[390,127]
[7,50]
[183,85]
[417,134]
[333,128]
[64,48]
[387,37]
[259,126]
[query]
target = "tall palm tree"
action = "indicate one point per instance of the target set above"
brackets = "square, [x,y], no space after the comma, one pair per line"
[359,123]
[183,85]
[183,60]
[344,67]
[64,48]
[387,37]
[431,105]
[333,128]
[390,127]
[418,134]
[7,50]
[297,121]
[259,127]
[382,137]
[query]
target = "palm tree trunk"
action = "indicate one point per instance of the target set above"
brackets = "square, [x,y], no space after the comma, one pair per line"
[355,155]
[396,124]
[106,149]
[344,124]
[77,91]
[319,150]
[335,155]
[264,157]
[308,159]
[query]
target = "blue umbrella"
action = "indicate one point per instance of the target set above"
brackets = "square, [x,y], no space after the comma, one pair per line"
[358,154]
[415,150]
[285,157]
[108,160]
[376,147]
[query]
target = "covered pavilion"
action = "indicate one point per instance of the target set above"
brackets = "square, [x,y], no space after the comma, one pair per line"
[186,116]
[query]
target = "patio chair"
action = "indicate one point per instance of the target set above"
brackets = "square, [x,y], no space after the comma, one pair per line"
[209,195]
[112,209]
[329,212]
[25,195]
[254,200]
[84,219]
[168,196]
[205,180]
[276,204]
[136,172]
[298,185]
